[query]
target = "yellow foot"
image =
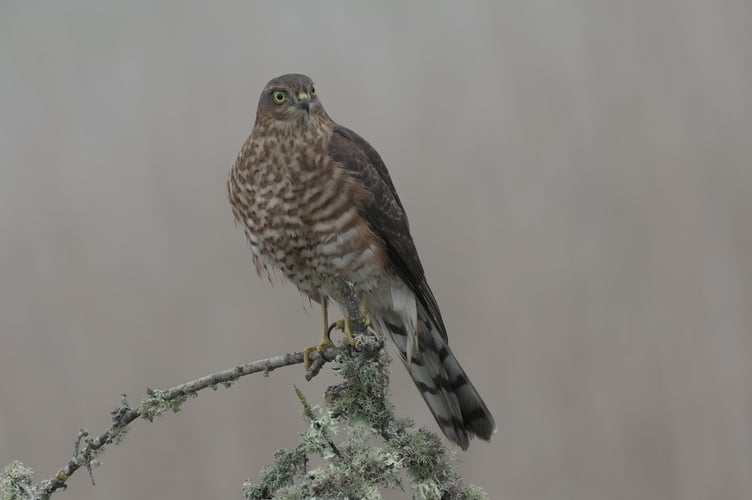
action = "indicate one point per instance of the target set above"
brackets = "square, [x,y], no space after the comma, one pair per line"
[344,325]
[326,341]
[320,347]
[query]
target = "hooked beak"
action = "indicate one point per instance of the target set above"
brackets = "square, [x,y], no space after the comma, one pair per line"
[304,101]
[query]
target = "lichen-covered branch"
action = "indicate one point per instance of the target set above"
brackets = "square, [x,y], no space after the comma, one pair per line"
[16,482]
[365,448]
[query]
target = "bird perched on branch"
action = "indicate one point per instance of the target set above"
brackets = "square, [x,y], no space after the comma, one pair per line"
[317,203]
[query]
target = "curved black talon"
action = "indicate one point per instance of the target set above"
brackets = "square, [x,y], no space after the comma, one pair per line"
[332,327]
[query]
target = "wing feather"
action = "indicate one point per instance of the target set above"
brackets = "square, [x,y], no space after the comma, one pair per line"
[385,214]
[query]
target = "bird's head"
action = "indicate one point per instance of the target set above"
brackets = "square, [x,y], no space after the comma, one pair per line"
[290,101]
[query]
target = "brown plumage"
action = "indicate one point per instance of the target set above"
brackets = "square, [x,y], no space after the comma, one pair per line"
[317,203]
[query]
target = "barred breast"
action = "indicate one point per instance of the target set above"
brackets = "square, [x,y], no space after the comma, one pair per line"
[300,214]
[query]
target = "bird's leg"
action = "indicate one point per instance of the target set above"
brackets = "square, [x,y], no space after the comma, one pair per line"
[326,341]
[344,324]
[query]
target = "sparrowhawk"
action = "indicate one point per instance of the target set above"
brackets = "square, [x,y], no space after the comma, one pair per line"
[317,203]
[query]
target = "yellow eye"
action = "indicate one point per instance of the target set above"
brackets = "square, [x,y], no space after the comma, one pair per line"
[313,91]
[279,97]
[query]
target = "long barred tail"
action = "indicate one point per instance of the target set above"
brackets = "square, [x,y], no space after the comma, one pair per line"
[453,400]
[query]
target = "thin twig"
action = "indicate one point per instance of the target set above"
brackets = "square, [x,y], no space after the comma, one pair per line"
[159,401]
[123,415]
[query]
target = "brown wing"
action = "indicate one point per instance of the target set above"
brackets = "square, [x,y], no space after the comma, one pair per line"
[385,214]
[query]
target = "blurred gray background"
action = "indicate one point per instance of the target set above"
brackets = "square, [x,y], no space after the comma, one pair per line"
[578,177]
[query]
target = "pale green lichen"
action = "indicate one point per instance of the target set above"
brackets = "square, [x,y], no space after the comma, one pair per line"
[281,475]
[156,404]
[16,482]
[475,492]
[360,447]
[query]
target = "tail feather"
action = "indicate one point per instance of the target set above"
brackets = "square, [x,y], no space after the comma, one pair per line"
[453,400]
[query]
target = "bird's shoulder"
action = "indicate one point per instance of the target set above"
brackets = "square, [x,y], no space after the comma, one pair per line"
[384,212]
[356,155]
